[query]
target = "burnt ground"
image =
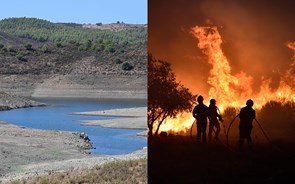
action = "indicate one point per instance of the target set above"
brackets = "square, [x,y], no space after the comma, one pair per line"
[182,160]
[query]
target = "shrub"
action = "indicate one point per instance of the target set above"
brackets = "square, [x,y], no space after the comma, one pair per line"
[125,43]
[28,46]
[4,49]
[127,66]
[99,47]
[20,57]
[45,48]
[58,44]
[110,48]
[88,44]
[118,61]
[10,49]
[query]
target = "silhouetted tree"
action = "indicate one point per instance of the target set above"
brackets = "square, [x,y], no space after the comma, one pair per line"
[167,98]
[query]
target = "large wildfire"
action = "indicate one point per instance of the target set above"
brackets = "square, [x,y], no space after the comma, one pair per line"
[232,90]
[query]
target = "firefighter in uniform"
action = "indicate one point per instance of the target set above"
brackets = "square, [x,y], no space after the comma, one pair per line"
[247,115]
[200,113]
[214,118]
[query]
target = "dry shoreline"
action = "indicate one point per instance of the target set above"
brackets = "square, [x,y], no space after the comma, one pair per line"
[129,118]
[29,152]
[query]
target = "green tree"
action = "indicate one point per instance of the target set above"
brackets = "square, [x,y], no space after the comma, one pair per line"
[167,98]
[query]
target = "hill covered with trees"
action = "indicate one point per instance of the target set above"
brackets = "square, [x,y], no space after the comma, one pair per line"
[42,54]
[43,30]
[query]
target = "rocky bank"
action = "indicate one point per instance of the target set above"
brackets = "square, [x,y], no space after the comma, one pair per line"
[10,101]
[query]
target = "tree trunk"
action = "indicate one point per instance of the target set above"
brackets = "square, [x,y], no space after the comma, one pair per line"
[164,117]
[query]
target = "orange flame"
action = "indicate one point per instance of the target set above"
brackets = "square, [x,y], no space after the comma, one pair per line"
[231,90]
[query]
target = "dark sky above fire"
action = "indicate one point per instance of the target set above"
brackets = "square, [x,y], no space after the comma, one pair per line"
[254,34]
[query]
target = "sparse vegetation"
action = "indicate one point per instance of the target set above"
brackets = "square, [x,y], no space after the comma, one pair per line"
[72,53]
[123,172]
[52,48]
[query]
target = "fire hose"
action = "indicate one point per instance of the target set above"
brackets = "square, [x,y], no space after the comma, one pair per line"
[192,128]
[263,132]
[228,130]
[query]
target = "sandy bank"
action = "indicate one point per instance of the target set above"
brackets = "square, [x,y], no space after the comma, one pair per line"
[129,118]
[124,112]
[30,152]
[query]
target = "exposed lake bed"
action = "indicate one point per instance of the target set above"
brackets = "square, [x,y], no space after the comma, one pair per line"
[23,144]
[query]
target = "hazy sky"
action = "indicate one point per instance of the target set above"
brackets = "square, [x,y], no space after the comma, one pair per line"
[77,11]
[254,34]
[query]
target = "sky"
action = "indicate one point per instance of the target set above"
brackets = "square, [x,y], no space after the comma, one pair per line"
[77,11]
[254,35]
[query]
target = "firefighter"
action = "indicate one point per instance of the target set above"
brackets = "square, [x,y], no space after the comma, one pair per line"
[214,118]
[200,113]
[247,115]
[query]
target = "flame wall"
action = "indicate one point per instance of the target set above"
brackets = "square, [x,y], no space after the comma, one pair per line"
[229,50]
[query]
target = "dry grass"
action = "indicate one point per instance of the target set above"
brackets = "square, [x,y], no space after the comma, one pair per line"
[122,172]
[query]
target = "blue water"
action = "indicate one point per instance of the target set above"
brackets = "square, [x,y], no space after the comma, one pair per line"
[57,116]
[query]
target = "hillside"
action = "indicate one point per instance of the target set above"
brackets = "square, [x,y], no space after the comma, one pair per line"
[40,58]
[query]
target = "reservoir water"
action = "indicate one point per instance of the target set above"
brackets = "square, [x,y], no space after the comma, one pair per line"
[56,116]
